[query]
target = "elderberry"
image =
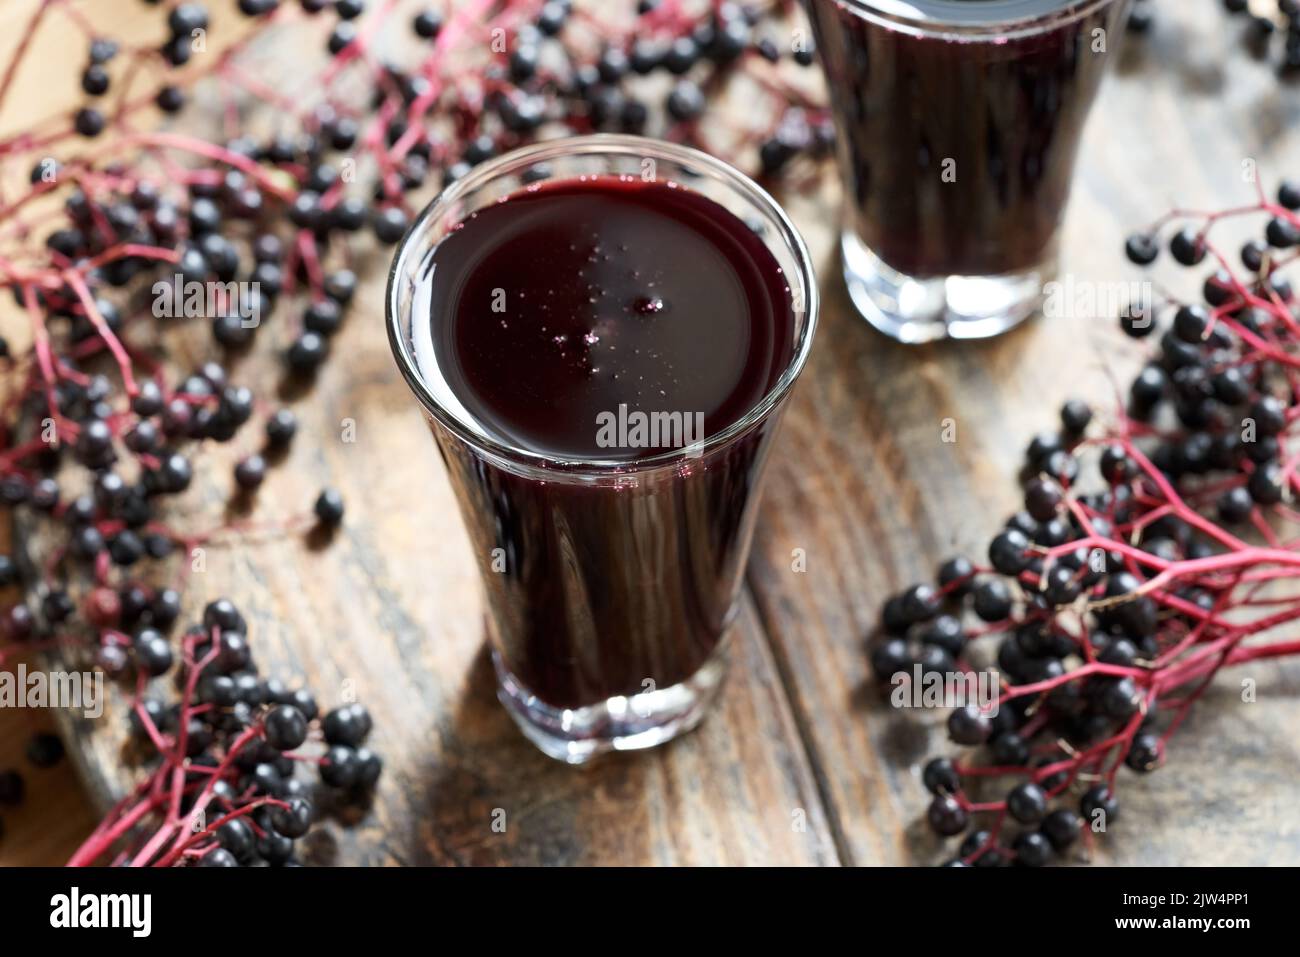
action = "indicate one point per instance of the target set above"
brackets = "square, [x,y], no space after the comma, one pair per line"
[1032,849]
[329,507]
[12,787]
[45,750]
[250,472]
[946,816]
[969,726]
[940,776]
[1008,552]
[427,24]
[1187,247]
[349,725]
[1142,249]
[1027,803]
[992,601]
[1098,806]
[286,727]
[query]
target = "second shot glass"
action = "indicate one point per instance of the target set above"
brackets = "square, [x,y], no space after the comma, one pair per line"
[958,124]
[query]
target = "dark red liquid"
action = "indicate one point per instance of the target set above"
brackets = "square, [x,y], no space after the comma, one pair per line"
[616,292]
[1007,110]
[572,299]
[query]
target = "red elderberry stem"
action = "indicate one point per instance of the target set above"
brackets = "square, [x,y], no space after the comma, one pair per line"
[109,338]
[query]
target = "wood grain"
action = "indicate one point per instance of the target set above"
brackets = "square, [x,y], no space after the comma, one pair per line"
[801,764]
[389,613]
[864,482]
[57,814]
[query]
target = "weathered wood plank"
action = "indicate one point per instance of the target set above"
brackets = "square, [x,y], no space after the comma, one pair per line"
[864,483]
[55,815]
[389,613]
[860,481]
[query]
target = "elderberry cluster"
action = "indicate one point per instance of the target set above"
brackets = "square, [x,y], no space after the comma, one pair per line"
[929,626]
[1272,28]
[241,737]
[1275,22]
[121,465]
[1125,561]
[1233,411]
[543,79]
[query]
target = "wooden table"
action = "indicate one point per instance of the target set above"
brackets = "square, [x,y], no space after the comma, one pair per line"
[801,763]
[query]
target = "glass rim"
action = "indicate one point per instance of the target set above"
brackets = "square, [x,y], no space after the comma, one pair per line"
[597,144]
[1016,18]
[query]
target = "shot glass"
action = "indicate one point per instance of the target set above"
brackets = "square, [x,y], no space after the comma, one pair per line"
[610,586]
[958,124]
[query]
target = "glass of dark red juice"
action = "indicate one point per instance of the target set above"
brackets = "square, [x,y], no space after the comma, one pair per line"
[603,332]
[958,124]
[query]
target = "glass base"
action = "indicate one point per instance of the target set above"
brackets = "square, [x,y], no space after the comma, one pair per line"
[922,310]
[576,735]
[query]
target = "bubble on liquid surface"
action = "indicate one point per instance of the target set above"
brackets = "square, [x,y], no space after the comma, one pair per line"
[648,305]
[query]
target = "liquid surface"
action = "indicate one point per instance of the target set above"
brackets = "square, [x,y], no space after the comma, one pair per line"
[967,12]
[555,307]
